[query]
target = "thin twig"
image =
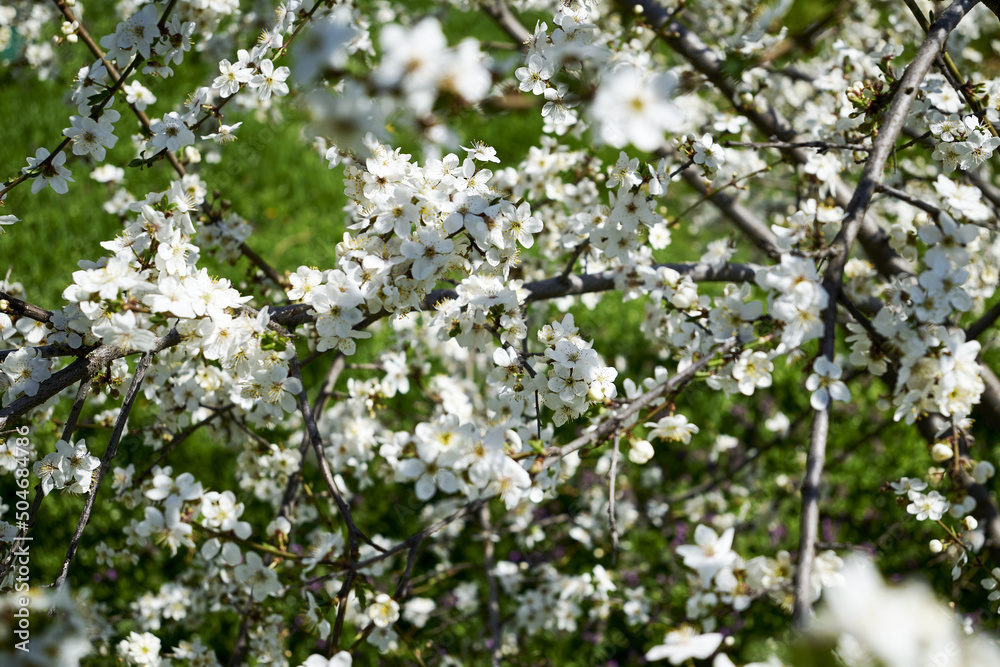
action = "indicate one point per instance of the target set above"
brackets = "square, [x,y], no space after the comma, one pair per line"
[408,543]
[493,604]
[577,251]
[865,323]
[261,264]
[109,455]
[822,145]
[977,328]
[329,383]
[353,532]
[175,443]
[693,177]
[500,12]
[612,520]
[902,196]
[739,215]
[612,424]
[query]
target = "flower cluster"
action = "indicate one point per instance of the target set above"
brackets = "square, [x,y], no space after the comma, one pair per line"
[414,226]
[962,142]
[70,467]
[796,298]
[21,372]
[479,385]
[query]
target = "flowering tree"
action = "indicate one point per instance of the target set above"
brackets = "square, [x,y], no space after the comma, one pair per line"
[644,391]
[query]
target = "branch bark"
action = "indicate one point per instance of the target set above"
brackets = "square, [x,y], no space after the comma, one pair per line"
[607,428]
[493,602]
[500,12]
[11,304]
[109,455]
[856,226]
[889,131]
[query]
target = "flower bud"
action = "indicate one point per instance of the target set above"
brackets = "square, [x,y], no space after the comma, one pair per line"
[971,523]
[640,452]
[983,471]
[279,525]
[936,546]
[941,452]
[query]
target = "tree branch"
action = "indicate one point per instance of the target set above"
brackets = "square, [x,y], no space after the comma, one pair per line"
[11,304]
[612,520]
[109,455]
[612,424]
[500,12]
[739,215]
[979,327]
[493,602]
[889,131]
[85,367]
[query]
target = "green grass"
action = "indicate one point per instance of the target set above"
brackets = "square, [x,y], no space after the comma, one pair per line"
[281,187]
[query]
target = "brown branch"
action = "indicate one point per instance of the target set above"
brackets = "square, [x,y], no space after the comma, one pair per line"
[493,602]
[607,428]
[549,288]
[261,264]
[85,367]
[979,327]
[500,12]
[288,498]
[50,351]
[882,148]
[94,361]
[823,145]
[902,196]
[109,455]
[11,304]
[612,520]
